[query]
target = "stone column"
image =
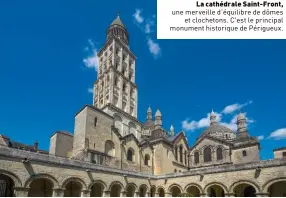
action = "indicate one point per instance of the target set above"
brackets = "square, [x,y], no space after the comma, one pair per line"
[58,192]
[229,195]
[106,193]
[21,191]
[123,194]
[156,194]
[262,194]
[203,195]
[136,194]
[168,194]
[85,193]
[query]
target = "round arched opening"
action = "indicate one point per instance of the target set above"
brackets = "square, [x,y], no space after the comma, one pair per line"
[175,191]
[115,190]
[152,191]
[194,191]
[109,148]
[142,191]
[6,186]
[277,189]
[72,189]
[161,192]
[215,191]
[130,191]
[97,190]
[41,188]
[244,190]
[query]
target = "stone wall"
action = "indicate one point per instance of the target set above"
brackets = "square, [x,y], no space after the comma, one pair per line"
[59,170]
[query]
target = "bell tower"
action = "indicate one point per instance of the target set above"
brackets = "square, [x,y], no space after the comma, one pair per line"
[115,85]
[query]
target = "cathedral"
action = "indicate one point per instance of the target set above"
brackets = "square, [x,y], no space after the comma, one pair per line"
[111,153]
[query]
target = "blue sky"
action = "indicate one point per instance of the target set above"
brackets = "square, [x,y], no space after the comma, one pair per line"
[44,80]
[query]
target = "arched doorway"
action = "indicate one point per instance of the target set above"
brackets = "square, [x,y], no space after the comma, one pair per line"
[193,190]
[215,191]
[115,190]
[97,190]
[72,189]
[152,191]
[6,186]
[175,191]
[41,188]
[244,190]
[130,191]
[143,191]
[277,189]
[161,192]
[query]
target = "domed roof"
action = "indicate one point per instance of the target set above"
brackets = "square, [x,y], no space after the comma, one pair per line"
[219,131]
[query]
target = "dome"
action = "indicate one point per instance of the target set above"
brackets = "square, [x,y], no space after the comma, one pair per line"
[219,131]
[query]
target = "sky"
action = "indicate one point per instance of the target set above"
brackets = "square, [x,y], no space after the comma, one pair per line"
[48,66]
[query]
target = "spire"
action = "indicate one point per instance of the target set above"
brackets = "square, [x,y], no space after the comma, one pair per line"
[158,119]
[117,29]
[172,130]
[212,118]
[149,113]
[241,126]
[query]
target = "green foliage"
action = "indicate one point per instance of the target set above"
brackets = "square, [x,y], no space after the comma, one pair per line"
[185,195]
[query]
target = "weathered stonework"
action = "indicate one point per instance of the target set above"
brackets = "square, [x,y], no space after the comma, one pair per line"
[111,153]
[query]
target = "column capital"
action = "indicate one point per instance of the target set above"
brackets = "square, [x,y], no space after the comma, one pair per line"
[21,191]
[106,193]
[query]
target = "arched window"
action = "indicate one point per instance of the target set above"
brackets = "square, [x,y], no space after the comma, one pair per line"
[175,170]
[109,148]
[207,154]
[147,160]
[244,154]
[284,154]
[181,154]
[186,157]
[197,157]
[130,154]
[115,81]
[219,154]
[176,153]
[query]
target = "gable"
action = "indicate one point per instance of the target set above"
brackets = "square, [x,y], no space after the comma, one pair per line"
[181,140]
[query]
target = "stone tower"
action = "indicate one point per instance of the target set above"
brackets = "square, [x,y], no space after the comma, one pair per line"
[213,118]
[115,85]
[241,126]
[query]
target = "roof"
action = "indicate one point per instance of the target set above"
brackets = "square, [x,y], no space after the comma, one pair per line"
[218,131]
[280,149]
[21,146]
[117,21]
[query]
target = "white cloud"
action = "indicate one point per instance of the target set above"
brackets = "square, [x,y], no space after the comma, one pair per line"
[234,107]
[202,123]
[91,61]
[154,48]
[90,90]
[146,27]
[137,16]
[261,137]
[279,134]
